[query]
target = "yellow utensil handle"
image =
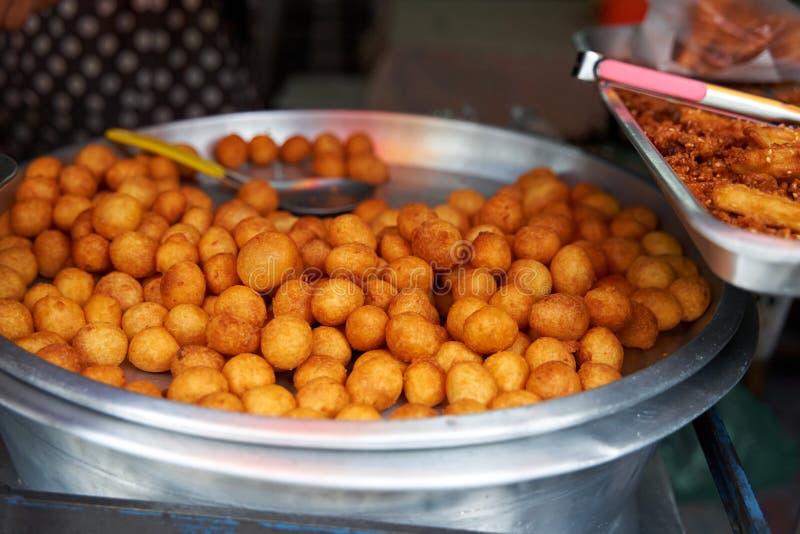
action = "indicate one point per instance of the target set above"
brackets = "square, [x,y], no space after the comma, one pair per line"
[157,146]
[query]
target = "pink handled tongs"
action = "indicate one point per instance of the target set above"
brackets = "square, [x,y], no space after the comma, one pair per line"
[591,66]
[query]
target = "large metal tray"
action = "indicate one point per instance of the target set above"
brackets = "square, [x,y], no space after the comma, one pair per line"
[66,433]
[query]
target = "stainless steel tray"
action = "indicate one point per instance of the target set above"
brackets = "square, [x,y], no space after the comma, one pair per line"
[66,433]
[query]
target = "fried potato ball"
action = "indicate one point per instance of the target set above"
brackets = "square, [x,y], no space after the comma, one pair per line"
[683,266]
[38,340]
[548,349]
[324,395]
[110,375]
[183,283]
[198,218]
[521,344]
[621,253]
[410,336]
[358,412]
[693,294]
[62,355]
[379,292]
[231,151]
[12,241]
[170,204]
[286,342]
[464,407]
[271,399]
[489,330]
[448,213]
[409,272]
[641,330]
[188,231]
[477,283]
[133,253]
[266,261]
[103,309]
[250,227]
[602,202]
[593,375]
[392,245]
[416,301]
[187,324]
[222,400]
[334,300]
[593,229]
[66,211]
[59,315]
[424,383]
[642,215]
[357,144]
[293,298]
[123,287]
[365,328]
[195,356]
[458,314]
[144,387]
[22,260]
[354,261]
[665,307]
[91,253]
[262,150]
[600,345]
[470,380]
[12,286]
[295,149]
[260,195]
[544,192]
[617,282]
[502,211]
[82,226]
[413,411]
[141,316]
[377,382]
[514,399]
[349,228]
[74,284]
[515,301]
[561,316]
[233,212]
[492,252]
[329,341]
[553,379]
[142,189]
[627,227]
[16,320]
[658,243]
[116,213]
[247,371]
[230,335]
[152,349]
[31,217]
[508,369]
[559,223]
[536,243]
[328,143]
[649,271]
[220,273]
[216,240]
[329,165]
[467,201]
[314,253]
[364,168]
[195,383]
[37,187]
[608,307]
[153,226]
[596,256]
[101,344]
[46,166]
[243,303]
[572,271]
[531,276]
[411,216]
[317,367]
[125,169]
[97,158]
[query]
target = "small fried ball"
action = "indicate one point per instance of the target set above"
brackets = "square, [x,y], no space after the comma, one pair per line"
[260,195]
[357,143]
[411,216]
[509,370]
[16,320]
[648,271]
[693,294]
[231,213]
[293,297]
[153,226]
[626,227]
[514,399]
[621,253]
[141,316]
[665,307]
[349,228]
[142,189]
[531,276]
[187,324]
[195,383]
[328,143]
[521,344]
[62,355]
[502,211]
[608,307]
[125,169]
[409,272]
[198,218]
[467,201]
[101,344]
[572,271]
[515,301]
[31,217]
[183,283]
[424,383]
[144,387]
[682,265]
[329,165]
[413,411]
[417,301]
[561,316]
[123,287]
[358,412]
[97,158]
[220,272]
[103,309]
[12,286]
[222,400]
[231,151]
[658,243]
[152,349]
[295,149]
[464,407]
[641,330]
[458,314]
[544,192]
[478,283]
[243,303]
[116,213]
[470,380]
[74,284]
[324,395]
[316,367]
[286,342]
[365,328]
[491,251]
[59,315]
[593,375]
[560,223]
[553,379]
[548,349]
[22,260]
[600,345]
[230,335]
[377,382]
[448,213]
[216,240]
[410,336]
[334,300]
[379,292]
[38,340]
[195,356]
[52,250]
[37,187]
[266,261]
[250,227]
[536,243]
[262,150]
[247,371]
[331,342]
[46,166]
[489,330]
[170,204]
[133,253]
[110,375]
[354,261]
[364,168]
[271,399]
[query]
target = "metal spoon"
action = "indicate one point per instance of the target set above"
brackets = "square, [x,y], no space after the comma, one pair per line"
[308,196]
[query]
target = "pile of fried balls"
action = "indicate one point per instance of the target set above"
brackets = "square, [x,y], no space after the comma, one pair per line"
[117,267]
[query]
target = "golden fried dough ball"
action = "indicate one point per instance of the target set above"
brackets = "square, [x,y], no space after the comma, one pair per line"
[141,316]
[514,399]
[231,151]
[621,253]
[521,344]
[489,330]
[16,320]
[413,411]
[195,383]
[124,170]
[123,287]
[195,356]
[470,380]
[501,211]
[66,211]
[271,399]
[97,158]
[354,261]
[535,176]
[682,265]
[492,252]
[216,240]
[641,330]
[328,143]
[593,375]
[198,218]
[357,144]
[459,312]
[295,149]
[608,307]
[133,253]
[144,387]
[116,213]
[537,243]
[22,260]
[531,276]
[152,349]
[364,168]
[187,324]
[410,336]
[627,227]
[649,271]
[38,340]
[186,230]
[250,227]
[247,371]
[379,292]
[153,226]
[600,345]
[142,189]
[377,382]
[665,307]
[349,228]
[46,166]
[330,342]
[365,328]
[260,195]
[222,400]
[424,383]
[316,367]
[593,229]
[91,253]
[220,272]
[596,256]
[334,299]
[509,370]
[103,309]
[358,412]
[10,280]
[262,150]
[31,217]
[171,205]
[409,272]
[392,245]
[464,407]
[314,253]
[12,241]
[293,297]
[208,303]
[101,344]
[641,214]
[561,316]
[74,284]
[82,226]
[572,271]
[467,201]
[243,303]
[477,283]
[448,213]
[559,223]
[266,261]
[37,187]
[59,315]
[286,342]
[233,212]
[545,192]
[548,349]
[658,243]
[411,216]
[331,165]
[693,294]
[617,282]
[62,355]
[413,300]
[183,283]
[230,335]
[602,202]
[553,379]
[324,395]
[515,301]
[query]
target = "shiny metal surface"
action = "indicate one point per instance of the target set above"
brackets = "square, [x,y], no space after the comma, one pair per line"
[8,169]
[492,471]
